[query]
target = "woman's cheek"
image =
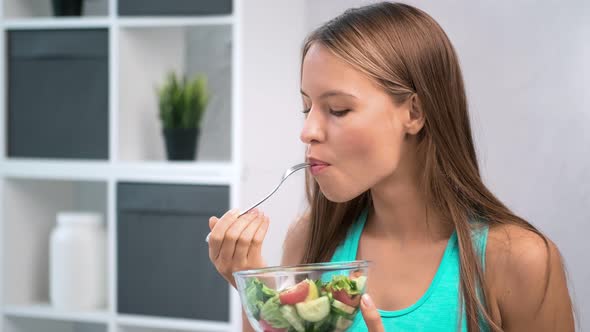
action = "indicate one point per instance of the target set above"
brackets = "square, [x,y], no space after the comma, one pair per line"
[357,145]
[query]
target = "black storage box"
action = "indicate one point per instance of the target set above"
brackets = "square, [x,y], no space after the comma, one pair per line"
[58,94]
[174,7]
[163,259]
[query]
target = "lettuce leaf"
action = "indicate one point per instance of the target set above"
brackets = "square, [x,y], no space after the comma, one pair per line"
[343,283]
[270,312]
[254,297]
[268,292]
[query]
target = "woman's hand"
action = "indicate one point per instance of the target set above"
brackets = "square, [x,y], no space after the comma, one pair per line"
[235,243]
[371,315]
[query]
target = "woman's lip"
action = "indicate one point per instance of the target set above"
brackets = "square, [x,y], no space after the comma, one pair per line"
[313,161]
[318,168]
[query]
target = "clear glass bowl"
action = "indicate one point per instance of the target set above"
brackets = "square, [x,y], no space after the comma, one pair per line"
[322,297]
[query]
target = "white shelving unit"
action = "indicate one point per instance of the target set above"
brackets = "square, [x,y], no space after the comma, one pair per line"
[44,311]
[147,22]
[33,190]
[209,173]
[54,23]
[139,323]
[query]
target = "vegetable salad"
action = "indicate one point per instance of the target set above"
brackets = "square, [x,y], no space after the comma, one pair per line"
[309,306]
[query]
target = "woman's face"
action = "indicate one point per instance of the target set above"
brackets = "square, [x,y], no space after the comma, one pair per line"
[352,125]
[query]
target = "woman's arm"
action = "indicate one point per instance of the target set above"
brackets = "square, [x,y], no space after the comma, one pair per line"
[529,282]
[246,327]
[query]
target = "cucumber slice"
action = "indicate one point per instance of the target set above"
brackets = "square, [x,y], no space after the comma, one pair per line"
[360,283]
[321,326]
[290,315]
[343,307]
[343,323]
[315,310]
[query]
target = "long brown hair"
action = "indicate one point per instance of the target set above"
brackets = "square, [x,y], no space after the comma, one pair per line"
[408,54]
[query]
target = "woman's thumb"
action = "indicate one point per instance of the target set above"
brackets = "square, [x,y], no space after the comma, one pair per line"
[371,315]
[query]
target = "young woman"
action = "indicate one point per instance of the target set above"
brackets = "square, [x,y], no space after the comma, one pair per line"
[395,180]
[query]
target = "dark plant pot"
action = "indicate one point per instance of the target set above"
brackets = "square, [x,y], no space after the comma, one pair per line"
[181,143]
[67,7]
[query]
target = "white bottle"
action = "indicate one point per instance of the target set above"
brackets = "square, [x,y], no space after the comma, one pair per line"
[78,262]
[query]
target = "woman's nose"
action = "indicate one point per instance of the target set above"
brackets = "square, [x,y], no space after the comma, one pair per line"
[313,129]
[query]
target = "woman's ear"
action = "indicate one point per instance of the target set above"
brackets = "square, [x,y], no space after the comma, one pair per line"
[415,120]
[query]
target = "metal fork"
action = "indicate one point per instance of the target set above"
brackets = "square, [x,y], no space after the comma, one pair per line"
[287,173]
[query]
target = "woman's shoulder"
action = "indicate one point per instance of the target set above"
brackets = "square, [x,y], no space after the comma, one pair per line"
[524,272]
[516,254]
[518,249]
[295,240]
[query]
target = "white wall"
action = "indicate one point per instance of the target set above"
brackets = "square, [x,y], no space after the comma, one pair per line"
[527,72]
[270,110]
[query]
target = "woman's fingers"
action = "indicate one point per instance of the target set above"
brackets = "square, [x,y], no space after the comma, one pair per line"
[371,314]
[245,240]
[231,241]
[212,222]
[232,235]
[255,251]
[218,232]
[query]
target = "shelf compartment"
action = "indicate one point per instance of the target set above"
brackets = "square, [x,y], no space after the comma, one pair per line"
[29,213]
[68,117]
[163,260]
[43,8]
[138,323]
[45,311]
[146,56]
[20,324]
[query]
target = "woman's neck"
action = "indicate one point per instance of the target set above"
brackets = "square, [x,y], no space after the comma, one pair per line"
[401,213]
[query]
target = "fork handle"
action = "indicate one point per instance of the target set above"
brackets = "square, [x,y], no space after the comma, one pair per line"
[285,176]
[264,199]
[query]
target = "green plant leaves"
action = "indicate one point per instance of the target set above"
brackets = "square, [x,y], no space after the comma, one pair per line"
[182,103]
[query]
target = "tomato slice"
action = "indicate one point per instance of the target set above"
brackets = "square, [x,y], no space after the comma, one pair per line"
[344,297]
[295,294]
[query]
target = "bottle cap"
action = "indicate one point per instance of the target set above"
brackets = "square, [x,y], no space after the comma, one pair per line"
[79,218]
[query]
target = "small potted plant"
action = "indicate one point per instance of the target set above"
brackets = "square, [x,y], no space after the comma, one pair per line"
[67,7]
[182,104]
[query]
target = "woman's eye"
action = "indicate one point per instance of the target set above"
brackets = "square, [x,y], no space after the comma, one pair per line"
[339,113]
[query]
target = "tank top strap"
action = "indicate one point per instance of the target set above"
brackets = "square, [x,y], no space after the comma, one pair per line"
[347,250]
[479,237]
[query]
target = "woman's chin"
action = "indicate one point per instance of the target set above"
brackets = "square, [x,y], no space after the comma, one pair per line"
[337,196]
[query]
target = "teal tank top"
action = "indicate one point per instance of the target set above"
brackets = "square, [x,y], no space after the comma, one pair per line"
[438,308]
